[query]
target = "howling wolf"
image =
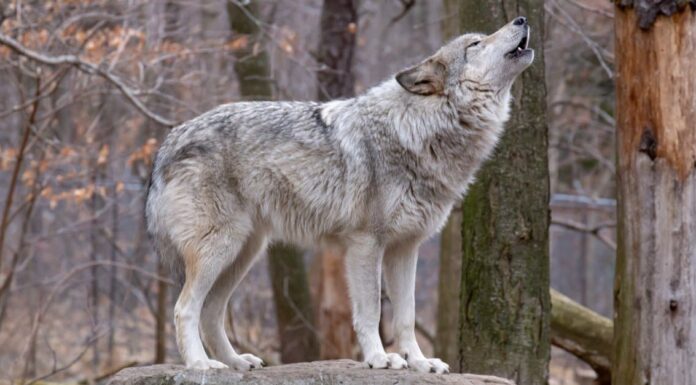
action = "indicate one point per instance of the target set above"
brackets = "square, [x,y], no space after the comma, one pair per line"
[370,177]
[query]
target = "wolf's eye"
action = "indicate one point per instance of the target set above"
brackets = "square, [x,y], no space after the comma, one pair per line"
[473,44]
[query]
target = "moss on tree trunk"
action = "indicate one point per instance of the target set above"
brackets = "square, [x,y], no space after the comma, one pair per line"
[505,299]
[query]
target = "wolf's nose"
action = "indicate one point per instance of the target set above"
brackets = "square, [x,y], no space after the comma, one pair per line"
[520,21]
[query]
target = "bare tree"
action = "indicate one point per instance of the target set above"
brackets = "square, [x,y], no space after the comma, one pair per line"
[338,27]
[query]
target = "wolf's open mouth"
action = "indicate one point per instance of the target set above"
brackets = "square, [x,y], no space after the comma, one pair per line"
[521,47]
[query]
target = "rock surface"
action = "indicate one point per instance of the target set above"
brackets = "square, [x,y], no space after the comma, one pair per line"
[343,372]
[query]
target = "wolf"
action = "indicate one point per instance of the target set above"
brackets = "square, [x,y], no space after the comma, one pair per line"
[371,177]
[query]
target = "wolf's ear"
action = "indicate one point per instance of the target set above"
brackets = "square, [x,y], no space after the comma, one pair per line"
[426,78]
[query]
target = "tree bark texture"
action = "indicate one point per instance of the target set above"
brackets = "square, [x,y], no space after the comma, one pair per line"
[335,79]
[505,300]
[655,283]
[449,287]
[298,337]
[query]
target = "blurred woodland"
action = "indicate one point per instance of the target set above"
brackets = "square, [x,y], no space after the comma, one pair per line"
[89,88]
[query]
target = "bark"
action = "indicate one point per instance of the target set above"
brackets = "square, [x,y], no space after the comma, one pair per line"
[449,286]
[252,65]
[298,339]
[583,333]
[655,289]
[334,318]
[505,268]
[335,79]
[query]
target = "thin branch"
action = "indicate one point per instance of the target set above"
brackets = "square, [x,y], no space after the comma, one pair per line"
[90,69]
[407,5]
[567,21]
[592,230]
[591,9]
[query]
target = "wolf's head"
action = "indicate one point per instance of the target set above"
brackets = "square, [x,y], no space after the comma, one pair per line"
[472,60]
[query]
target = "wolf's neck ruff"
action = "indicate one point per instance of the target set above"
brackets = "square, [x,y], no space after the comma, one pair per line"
[447,138]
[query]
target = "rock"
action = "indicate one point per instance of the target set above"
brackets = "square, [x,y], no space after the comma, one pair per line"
[343,372]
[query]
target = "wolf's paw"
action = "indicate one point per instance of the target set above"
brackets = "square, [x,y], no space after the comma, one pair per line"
[378,361]
[429,365]
[207,364]
[253,360]
[396,362]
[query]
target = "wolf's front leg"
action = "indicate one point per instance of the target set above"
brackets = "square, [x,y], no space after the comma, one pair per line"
[363,267]
[400,275]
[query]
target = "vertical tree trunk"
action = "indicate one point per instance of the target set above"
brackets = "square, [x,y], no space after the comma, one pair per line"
[655,284]
[448,292]
[505,267]
[335,79]
[298,339]
[96,205]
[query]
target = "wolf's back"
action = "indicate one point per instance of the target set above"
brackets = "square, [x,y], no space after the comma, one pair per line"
[219,151]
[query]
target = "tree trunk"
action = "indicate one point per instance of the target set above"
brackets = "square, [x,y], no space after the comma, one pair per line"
[505,267]
[339,20]
[655,284]
[298,339]
[252,65]
[449,286]
[335,79]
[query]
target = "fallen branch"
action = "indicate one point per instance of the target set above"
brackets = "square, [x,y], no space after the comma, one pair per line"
[87,68]
[583,333]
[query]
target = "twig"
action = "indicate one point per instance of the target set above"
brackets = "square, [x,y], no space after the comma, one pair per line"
[407,5]
[90,69]
[593,230]
[591,9]
[574,27]
[107,374]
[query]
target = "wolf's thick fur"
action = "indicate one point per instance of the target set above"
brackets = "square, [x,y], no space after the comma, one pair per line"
[372,176]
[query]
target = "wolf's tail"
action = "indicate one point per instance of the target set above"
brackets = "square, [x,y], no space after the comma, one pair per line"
[169,255]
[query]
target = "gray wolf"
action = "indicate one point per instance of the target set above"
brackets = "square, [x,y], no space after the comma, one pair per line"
[371,177]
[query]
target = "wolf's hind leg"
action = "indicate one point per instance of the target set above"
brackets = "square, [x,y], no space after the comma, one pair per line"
[214,308]
[205,260]
[400,277]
